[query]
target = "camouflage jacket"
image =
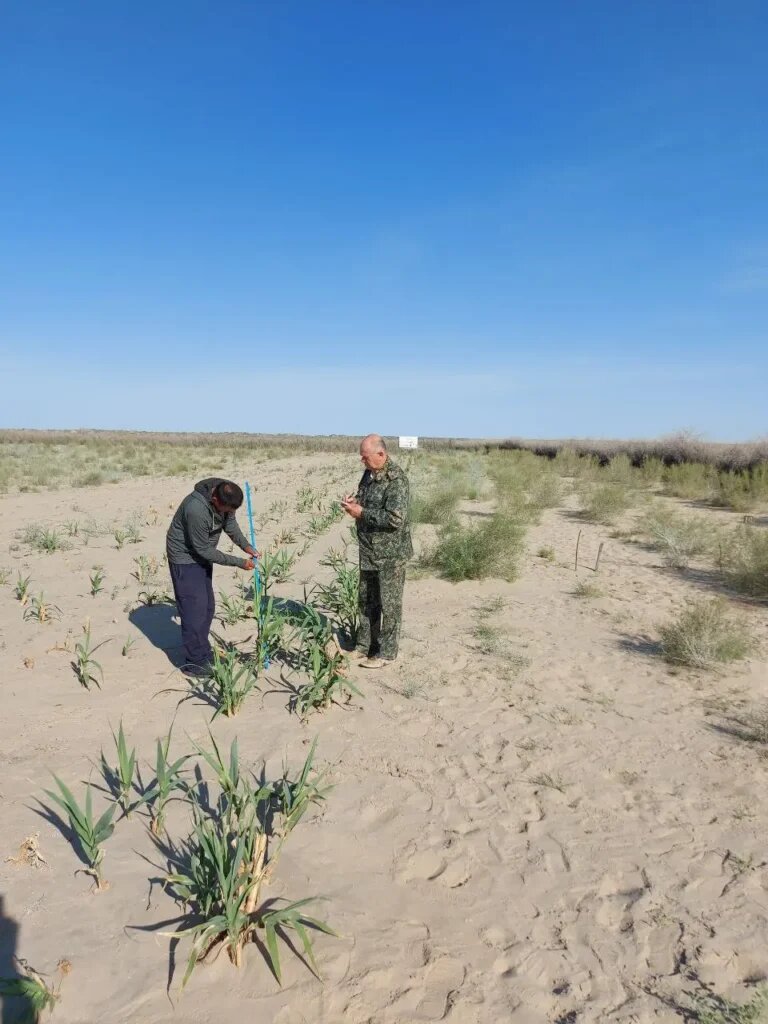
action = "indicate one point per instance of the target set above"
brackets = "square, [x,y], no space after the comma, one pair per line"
[383,530]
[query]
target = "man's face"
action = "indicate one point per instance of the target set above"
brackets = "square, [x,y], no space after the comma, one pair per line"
[372,457]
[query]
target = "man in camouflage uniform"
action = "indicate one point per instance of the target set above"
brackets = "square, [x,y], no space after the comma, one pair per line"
[380,509]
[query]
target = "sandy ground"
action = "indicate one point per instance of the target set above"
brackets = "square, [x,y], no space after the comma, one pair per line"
[554,831]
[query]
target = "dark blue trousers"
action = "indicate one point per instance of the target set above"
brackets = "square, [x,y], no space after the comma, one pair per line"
[193,589]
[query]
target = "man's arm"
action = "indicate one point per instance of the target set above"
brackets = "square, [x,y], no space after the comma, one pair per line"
[198,539]
[235,534]
[394,513]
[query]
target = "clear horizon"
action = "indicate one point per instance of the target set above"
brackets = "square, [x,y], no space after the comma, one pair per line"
[439,220]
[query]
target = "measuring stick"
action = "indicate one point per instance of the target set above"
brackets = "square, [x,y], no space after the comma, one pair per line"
[256,573]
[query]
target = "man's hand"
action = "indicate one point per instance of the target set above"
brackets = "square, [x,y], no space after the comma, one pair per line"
[250,564]
[351,507]
[252,552]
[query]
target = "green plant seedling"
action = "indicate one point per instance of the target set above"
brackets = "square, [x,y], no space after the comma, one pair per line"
[41,610]
[90,834]
[229,681]
[5,575]
[120,538]
[34,993]
[127,646]
[96,578]
[167,781]
[120,778]
[327,682]
[85,665]
[21,588]
[233,609]
[340,597]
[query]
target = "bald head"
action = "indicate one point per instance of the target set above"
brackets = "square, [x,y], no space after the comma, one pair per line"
[373,452]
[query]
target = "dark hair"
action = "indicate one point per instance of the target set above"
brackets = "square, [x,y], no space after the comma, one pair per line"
[229,494]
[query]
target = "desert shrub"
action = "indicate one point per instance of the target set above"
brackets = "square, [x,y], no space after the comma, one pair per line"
[651,471]
[709,1007]
[91,479]
[704,635]
[603,503]
[734,489]
[679,538]
[619,471]
[546,491]
[434,506]
[744,560]
[473,552]
[689,480]
[567,462]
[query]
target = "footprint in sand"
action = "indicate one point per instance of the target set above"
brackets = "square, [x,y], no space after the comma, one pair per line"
[442,981]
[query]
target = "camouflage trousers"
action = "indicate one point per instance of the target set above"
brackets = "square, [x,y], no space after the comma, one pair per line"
[380,601]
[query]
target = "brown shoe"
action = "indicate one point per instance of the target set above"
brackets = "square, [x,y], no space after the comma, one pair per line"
[376,662]
[355,655]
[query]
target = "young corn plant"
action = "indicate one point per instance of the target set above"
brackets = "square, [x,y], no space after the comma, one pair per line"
[127,646]
[120,777]
[120,538]
[5,575]
[340,598]
[229,681]
[276,567]
[271,627]
[230,860]
[168,780]
[85,665]
[32,991]
[90,833]
[147,568]
[233,609]
[97,578]
[21,588]
[327,683]
[42,610]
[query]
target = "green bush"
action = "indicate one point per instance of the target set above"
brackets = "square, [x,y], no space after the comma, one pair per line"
[689,480]
[435,506]
[704,635]
[493,548]
[679,538]
[738,490]
[603,503]
[744,560]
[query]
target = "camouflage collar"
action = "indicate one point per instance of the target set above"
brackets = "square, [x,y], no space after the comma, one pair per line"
[379,474]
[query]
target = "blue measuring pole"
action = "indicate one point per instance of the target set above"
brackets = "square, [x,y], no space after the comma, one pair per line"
[256,574]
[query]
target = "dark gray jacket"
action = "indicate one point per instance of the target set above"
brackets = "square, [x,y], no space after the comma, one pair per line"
[196,527]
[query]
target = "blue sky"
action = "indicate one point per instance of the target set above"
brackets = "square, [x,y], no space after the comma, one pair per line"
[468,219]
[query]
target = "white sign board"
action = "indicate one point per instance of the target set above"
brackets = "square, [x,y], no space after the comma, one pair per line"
[409,442]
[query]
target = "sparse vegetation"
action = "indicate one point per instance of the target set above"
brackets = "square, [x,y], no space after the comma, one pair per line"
[586,589]
[704,635]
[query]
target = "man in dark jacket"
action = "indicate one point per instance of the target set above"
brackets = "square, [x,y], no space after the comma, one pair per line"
[380,509]
[191,546]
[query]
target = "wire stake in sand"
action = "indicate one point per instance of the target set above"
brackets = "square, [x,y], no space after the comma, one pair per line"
[257,611]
